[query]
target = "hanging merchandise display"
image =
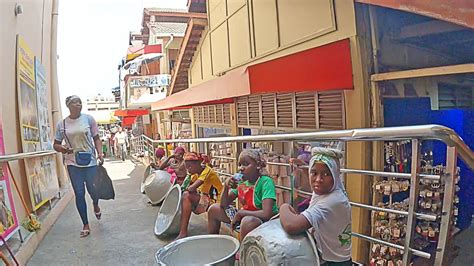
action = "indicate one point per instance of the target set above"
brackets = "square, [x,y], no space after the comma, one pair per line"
[8,219]
[33,112]
[393,194]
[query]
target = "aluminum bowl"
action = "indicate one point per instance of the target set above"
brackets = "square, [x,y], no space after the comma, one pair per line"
[148,171]
[199,250]
[169,215]
[269,244]
[157,186]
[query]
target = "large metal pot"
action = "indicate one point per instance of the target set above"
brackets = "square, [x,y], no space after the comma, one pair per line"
[269,244]
[199,250]
[169,215]
[148,171]
[157,186]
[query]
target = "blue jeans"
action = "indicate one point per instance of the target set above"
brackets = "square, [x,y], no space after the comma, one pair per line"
[79,176]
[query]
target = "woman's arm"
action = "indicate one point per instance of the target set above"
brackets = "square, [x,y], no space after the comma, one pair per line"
[166,163]
[227,196]
[292,222]
[98,148]
[195,185]
[60,148]
[264,214]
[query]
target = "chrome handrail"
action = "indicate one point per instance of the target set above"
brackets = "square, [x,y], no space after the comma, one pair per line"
[25,155]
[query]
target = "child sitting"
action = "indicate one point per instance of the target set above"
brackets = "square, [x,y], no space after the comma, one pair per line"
[256,195]
[329,212]
[197,197]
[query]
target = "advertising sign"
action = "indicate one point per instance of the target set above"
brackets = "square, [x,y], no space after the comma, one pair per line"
[8,220]
[45,185]
[150,81]
[40,171]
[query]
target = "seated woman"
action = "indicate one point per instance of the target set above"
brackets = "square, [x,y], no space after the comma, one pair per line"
[197,197]
[160,158]
[329,212]
[256,195]
[175,165]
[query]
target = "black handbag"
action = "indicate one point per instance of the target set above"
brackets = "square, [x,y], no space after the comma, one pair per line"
[103,185]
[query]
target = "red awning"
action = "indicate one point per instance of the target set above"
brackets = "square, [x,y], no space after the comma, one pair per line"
[134,51]
[128,121]
[132,112]
[459,12]
[324,68]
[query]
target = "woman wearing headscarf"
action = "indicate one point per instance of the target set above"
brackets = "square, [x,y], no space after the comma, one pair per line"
[329,212]
[175,165]
[81,149]
[160,158]
[256,194]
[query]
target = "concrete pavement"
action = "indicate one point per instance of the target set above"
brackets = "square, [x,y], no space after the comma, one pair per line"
[124,235]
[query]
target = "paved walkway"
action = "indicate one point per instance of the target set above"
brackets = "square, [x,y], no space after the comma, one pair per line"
[124,235]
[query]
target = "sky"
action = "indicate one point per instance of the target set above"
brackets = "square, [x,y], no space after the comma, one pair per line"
[92,40]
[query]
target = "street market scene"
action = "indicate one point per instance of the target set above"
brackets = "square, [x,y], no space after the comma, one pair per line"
[237,132]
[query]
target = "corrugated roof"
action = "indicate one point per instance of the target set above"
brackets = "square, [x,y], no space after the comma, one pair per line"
[167,28]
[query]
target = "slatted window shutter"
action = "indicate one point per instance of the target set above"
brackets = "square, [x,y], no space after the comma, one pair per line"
[242,111]
[212,114]
[254,110]
[331,110]
[284,108]
[219,114]
[268,110]
[226,114]
[305,110]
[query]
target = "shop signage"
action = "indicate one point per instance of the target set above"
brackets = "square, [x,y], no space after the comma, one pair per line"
[35,126]
[150,81]
[8,220]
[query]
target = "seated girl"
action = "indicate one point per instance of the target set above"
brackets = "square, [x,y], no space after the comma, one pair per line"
[175,165]
[329,212]
[160,158]
[256,194]
[197,197]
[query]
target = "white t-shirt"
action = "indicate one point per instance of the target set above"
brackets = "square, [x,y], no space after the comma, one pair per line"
[121,137]
[330,217]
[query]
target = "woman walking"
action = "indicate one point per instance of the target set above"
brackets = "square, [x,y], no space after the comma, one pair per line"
[80,135]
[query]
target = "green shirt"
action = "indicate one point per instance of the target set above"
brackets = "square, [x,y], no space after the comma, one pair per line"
[264,189]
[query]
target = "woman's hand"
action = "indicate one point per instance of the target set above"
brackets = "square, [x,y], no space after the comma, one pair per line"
[100,157]
[236,221]
[296,162]
[230,183]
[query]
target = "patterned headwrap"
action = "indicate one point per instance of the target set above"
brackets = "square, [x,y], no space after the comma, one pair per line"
[160,152]
[330,157]
[192,156]
[257,155]
[71,98]
[179,149]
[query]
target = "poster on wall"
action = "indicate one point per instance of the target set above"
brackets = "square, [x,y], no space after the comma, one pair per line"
[8,220]
[40,171]
[46,185]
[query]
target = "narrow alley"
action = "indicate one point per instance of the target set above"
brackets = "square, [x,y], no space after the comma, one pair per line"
[124,235]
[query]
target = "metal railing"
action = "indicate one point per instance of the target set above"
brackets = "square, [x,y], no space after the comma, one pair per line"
[145,146]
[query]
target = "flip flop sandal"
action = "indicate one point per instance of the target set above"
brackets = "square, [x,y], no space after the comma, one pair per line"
[98,215]
[85,233]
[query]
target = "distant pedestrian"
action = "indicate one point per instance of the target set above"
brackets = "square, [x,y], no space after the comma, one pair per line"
[81,149]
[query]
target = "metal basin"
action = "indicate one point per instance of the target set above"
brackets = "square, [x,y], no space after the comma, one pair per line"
[148,171]
[157,185]
[169,215]
[199,250]
[269,244]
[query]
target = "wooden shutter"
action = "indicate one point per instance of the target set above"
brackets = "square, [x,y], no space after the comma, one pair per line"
[331,110]
[219,114]
[268,110]
[254,110]
[212,114]
[242,111]
[305,110]
[284,103]
[226,114]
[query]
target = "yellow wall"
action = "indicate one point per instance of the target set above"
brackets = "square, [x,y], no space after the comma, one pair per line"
[34,25]
[245,32]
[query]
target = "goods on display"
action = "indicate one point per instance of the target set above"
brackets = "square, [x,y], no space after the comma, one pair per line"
[393,193]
